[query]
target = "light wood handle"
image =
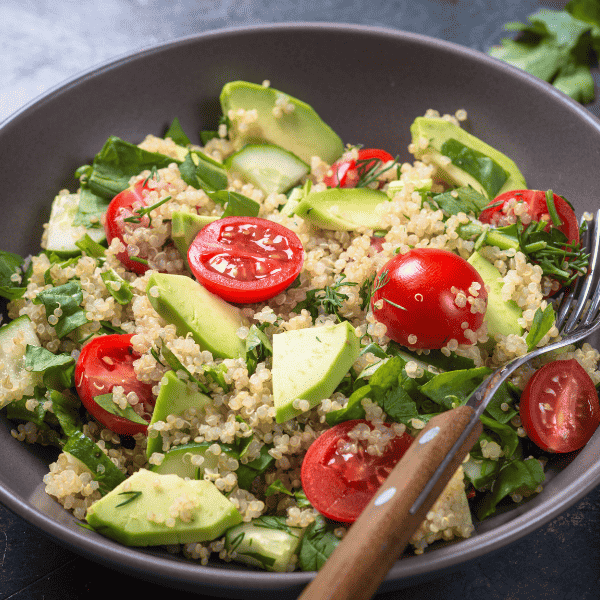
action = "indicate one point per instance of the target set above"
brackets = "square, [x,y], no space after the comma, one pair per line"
[378,537]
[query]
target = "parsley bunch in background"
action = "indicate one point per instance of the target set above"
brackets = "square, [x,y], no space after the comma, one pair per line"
[559,47]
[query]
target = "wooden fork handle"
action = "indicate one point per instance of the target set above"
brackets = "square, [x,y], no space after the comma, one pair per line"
[377,538]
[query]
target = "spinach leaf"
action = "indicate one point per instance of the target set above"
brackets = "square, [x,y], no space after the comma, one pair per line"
[481,471]
[277,487]
[91,208]
[481,167]
[116,163]
[258,347]
[462,199]
[506,435]
[117,287]
[517,475]
[317,544]
[105,401]
[176,133]
[68,297]
[103,469]
[247,473]
[201,172]
[66,410]
[11,265]
[58,369]
[236,205]
[542,323]
[452,388]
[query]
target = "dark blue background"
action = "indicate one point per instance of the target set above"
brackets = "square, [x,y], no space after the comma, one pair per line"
[44,42]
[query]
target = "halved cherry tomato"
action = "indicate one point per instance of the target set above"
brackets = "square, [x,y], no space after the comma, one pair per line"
[428,297]
[105,362]
[339,483]
[245,259]
[559,407]
[122,207]
[346,173]
[537,209]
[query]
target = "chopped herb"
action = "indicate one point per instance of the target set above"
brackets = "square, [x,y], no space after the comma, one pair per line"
[394,304]
[133,495]
[328,299]
[140,213]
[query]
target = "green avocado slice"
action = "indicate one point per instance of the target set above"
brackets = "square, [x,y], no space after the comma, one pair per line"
[137,512]
[300,131]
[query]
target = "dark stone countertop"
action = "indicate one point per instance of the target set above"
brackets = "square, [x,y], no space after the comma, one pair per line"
[44,42]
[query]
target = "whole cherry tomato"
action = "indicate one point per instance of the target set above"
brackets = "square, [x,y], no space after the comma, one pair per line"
[428,297]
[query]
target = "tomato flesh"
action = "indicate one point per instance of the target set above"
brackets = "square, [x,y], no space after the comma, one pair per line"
[427,297]
[246,259]
[502,212]
[559,407]
[121,207]
[346,173]
[106,362]
[340,483]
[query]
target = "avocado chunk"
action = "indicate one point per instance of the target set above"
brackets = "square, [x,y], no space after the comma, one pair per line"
[269,167]
[259,545]
[501,316]
[212,322]
[342,209]
[299,130]
[174,398]
[185,227]
[149,509]
[308,364]
[473,162]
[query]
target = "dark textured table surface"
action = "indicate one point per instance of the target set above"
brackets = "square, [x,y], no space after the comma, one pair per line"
[44,42]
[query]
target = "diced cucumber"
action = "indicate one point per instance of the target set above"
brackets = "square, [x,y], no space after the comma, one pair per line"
[262,545]
[61,234]
[14,339]
[269,167]
[178,461]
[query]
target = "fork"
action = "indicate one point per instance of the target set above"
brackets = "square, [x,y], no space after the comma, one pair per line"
[379,536]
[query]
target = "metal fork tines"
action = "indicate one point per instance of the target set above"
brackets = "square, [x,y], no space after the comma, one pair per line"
[568,316]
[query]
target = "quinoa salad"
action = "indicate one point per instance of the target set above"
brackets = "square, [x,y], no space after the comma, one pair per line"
[218,338]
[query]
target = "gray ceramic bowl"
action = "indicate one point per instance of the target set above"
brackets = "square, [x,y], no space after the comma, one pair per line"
[368,84]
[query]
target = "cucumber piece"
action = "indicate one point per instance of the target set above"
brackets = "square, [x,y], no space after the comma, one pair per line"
[61,235]
[14,338]
[178,461]
[269,167]
[266,543]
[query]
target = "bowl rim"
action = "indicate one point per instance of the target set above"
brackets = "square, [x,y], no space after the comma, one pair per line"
[168,570]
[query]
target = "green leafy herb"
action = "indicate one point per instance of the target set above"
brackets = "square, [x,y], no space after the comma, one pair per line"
[133,495]
[258,346]
[106,402]
[542,323]
[370,169]
[462,199]
[236,205]
[11,276]
[58,369]
[328,299]
[480,166]
[176,133]
[140,213]
[117,287]
[273,522]
[318,543]
[366,291]
[277,487]
[67,298]
[559,47]
[248,472]
[202,172]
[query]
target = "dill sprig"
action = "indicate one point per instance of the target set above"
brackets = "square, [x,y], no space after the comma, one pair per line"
[370,169]
[328,299]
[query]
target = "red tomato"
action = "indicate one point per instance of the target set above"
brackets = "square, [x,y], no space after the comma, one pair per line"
[347,173]
[338,483]
[427,297]
[559,407]
[537,209]
[105,362]
[121,207]
[245,259]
